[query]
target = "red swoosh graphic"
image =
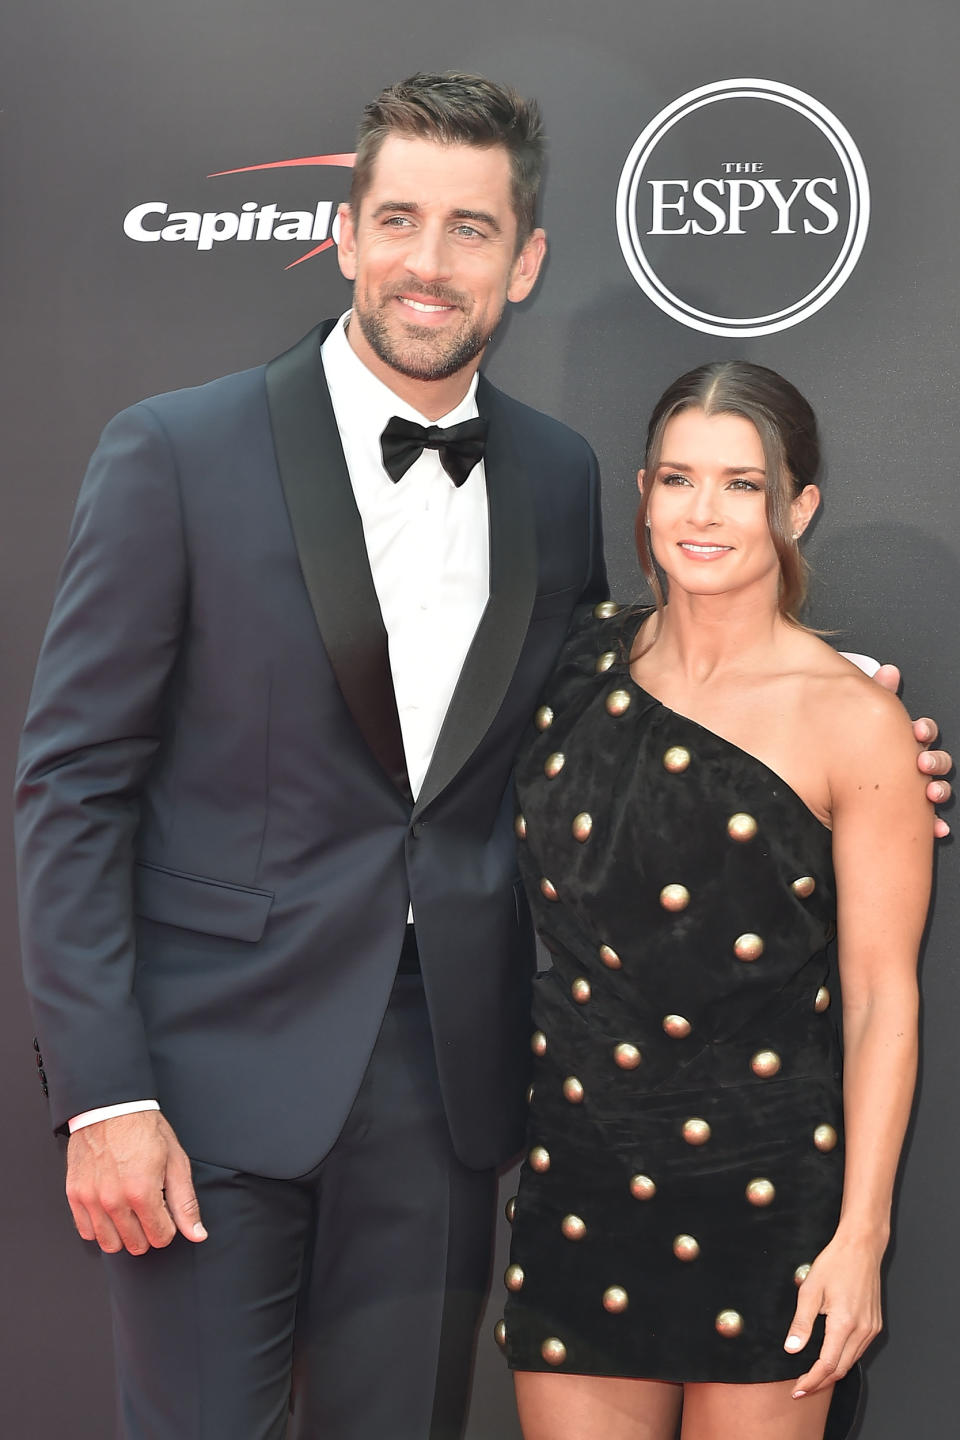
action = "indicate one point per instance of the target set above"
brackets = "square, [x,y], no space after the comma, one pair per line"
[345,160]
[309,255]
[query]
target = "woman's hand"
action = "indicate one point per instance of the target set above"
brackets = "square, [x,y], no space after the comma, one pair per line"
[844,1285]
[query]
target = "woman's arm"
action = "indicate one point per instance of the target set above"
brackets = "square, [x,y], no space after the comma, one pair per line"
[882,840]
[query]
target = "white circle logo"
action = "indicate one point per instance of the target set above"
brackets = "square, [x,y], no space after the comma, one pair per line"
[743,207]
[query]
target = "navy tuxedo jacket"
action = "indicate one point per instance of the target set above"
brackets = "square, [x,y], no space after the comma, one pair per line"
[217,841]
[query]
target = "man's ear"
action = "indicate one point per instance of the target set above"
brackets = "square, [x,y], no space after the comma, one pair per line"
[347,244]
[526,267]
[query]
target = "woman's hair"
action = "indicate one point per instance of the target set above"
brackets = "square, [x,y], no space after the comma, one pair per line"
[787,428]
[457,109]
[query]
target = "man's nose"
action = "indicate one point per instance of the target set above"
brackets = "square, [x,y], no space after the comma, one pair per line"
[428,255]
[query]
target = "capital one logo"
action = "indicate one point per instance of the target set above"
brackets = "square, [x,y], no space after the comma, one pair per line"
[157,221]
[743,207]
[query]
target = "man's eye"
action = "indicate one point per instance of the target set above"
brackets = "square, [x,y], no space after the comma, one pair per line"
[397,221]
[469,230]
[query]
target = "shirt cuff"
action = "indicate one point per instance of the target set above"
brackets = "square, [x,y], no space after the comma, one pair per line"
[107,1112]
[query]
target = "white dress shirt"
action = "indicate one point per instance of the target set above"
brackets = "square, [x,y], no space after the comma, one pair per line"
[428,545]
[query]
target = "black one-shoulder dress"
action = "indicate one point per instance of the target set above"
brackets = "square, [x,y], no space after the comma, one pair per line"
[685,1158]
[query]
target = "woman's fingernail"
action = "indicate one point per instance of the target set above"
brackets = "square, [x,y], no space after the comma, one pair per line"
[799,1394]
[793,1342]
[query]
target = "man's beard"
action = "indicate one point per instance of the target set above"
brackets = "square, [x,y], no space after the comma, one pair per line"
[422,354]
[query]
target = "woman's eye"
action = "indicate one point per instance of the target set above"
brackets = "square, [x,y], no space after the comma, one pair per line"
[742,483]
[672,478]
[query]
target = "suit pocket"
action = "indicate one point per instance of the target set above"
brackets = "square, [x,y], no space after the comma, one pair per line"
[193,902]
[557,602]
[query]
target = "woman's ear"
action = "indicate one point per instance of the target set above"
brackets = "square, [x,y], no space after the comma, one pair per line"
[803,509]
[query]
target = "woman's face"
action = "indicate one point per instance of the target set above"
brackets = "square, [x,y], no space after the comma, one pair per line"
[707,506]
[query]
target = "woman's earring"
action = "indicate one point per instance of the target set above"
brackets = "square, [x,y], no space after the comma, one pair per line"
[797,534]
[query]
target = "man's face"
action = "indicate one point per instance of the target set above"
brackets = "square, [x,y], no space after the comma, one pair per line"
[433,257]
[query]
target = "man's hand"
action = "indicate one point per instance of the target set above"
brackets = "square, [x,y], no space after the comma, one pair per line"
[930,762]
[129,1185]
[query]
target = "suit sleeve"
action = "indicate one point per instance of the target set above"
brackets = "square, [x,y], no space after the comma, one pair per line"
[92,730]
[595,587]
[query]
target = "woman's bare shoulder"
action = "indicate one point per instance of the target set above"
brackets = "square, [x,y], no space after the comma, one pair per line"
[838,699]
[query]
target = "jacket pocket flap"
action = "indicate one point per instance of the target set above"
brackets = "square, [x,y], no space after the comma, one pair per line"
[554,603]
[193,902]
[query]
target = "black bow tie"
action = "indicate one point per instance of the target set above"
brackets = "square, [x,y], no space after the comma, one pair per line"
[458,446]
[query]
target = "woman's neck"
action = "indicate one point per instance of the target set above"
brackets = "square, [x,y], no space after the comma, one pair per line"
[700,636]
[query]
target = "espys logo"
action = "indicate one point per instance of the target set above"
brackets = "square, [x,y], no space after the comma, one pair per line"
[154,220]
[743,207]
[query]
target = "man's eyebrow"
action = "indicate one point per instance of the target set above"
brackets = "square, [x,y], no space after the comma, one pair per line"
[482,217]
[410,207]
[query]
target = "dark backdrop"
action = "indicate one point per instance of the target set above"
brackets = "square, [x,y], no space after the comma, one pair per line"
[107,106]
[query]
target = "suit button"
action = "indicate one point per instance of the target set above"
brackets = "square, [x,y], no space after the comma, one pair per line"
[416,829]
[39,1058]
[36,1044]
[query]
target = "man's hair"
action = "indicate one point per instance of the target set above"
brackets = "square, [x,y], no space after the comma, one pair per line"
[457,109]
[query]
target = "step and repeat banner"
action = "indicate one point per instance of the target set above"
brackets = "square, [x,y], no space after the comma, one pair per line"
[771,182]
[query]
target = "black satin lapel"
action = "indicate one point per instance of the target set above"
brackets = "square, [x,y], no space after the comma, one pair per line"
[329,540]
[492,658]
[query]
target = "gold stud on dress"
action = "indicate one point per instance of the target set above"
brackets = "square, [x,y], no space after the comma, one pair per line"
[765,1063]
[554,764]
[741,827]
[804,887]
[760,1192]
[678,1027]
[729,1324]
[604,661]
[748,947]
[553,1351]
[539,1159]
[606,610]
[696,1131]
[510,1209]
[615,1299]
[627,1056]
[800,1274]
[547,889]
[580,990]
[543,718]
[676,759]
[513,1278]
[538,1043]
[825,1138]
[573,1090]
[642,1187]
[582,825]
[500,1333]
[822,1001]
[573,1227]
[618,702]
[610,957]
[686,1247]
[674,897]
[520,828]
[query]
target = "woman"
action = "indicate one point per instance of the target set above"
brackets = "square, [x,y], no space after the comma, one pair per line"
[711,793]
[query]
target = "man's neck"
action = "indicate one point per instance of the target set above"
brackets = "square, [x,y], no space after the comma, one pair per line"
[430,398]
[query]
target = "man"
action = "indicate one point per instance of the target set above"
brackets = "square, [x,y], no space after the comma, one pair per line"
[272,725]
